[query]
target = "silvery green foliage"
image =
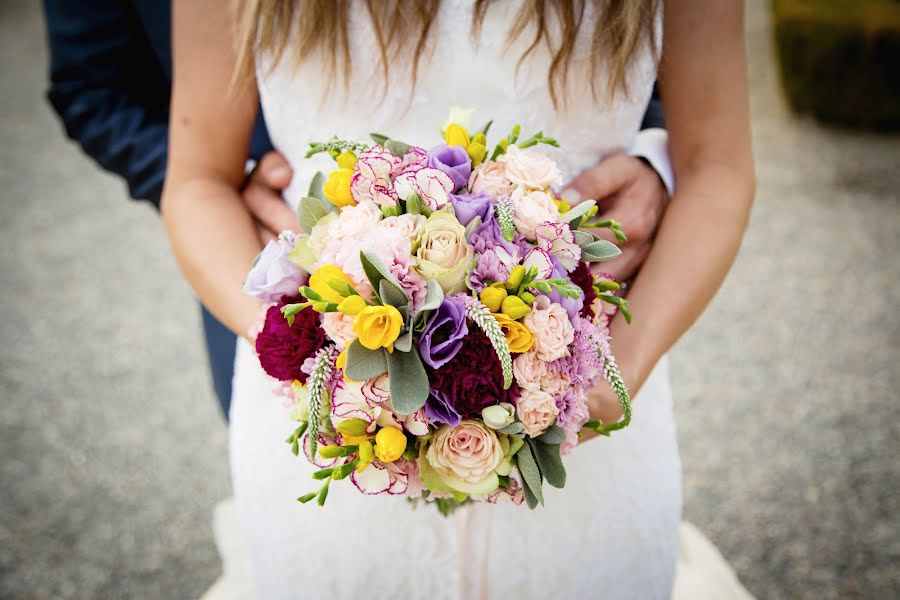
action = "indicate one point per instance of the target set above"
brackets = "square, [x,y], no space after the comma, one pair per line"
[574,216]
[506,219]
[321,373]
[309,211]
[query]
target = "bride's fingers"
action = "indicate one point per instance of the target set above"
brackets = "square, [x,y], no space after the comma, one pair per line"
[625,266]
[269,208]
[264,234]
[601,181]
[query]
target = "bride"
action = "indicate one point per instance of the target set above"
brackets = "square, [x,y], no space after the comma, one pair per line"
[580,70]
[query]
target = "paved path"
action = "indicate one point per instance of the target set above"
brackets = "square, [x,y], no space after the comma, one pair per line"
[113,452]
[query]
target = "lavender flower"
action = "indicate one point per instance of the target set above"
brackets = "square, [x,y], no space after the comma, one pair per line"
[453,161]
[439,410]
[274,275]
[443,334]
[468,206]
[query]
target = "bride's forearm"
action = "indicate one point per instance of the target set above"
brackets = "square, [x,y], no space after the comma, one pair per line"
[696,244]
[214,242]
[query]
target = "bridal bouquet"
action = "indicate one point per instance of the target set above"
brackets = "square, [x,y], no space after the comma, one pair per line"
[436,326]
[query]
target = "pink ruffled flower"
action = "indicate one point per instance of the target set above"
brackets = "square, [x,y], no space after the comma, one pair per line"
[577,418]
[514,493]
[414,159]
[338,327]
[377,393]
[402,266]
[372,180]
[406,225]
[540,258]
[549,324]
[558,240]
[432,185]
[536,410]
[381,478]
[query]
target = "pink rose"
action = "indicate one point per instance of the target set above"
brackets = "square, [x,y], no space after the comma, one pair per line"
[537,410]
[469,452]
[490,178]
[553,332]
[352,221]
[338,327]
[530,168]
[530,209]
[529,370]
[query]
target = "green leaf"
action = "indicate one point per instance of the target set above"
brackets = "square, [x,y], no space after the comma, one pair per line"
[379,138]
[309,211]
[316,186]
[415,206]
[531,474]
[404,342]
[376,270]
[486,127]
[396,147]
[409,381]
[574,215]
[392,295]
[513,428]
[530,499]
[599,250]
[554,435]
[364,364]
[307,497]
[433,297]
[473,225]
[583,238]
[550,462]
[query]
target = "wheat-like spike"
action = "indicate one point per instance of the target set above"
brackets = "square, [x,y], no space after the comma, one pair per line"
[481,315]
[321,373]
[505,218]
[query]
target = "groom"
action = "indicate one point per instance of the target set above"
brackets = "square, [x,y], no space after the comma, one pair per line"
[110,81]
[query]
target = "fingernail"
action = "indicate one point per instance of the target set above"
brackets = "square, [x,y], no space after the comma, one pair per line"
[280,172]
[572,196]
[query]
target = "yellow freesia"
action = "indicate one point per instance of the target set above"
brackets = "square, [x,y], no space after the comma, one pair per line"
[493,297]
[366,455]
[515,278]
[318,281]
[456,135]
[389,444]
[346,159]
[378,326]
[337,188]
[514,307]
[352,305]
[518,337]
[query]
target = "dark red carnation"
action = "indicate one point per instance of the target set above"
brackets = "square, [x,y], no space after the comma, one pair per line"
[282,348]
[473,378]
[583,278]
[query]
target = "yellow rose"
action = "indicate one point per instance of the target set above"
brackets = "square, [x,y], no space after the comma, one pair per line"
[493,297]
[346,159]
[378,326]
[456,135]
[518,337]
[337,188]
[389,444]
[318,281]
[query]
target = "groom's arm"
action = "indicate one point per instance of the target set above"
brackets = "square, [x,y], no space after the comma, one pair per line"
[109,90]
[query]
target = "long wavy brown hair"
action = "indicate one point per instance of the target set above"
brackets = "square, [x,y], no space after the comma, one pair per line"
[402,28]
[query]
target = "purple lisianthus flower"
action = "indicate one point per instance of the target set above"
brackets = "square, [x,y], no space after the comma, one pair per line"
[453,161]
[443,334]
[439,410]
[274,275]
[468,206]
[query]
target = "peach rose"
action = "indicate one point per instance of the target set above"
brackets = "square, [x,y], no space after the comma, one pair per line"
[490,178]
[537,410]
[553,332]
[530,168]
[530,209]
[339,328]
[529,370]
[469,452]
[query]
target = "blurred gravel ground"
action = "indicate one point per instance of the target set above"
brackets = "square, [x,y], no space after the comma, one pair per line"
[113,451]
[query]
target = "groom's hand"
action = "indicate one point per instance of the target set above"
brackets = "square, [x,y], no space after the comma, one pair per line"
[628,190]
[262,195]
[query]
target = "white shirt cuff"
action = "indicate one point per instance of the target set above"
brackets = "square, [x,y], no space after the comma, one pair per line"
[653,145]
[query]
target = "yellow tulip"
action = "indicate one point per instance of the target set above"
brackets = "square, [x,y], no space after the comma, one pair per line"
[378,326]
[518,337]
[493,297]
[389,444]
[352,305]
[456,135]
[514,308]
[346,159]
[337,188]
[318,281]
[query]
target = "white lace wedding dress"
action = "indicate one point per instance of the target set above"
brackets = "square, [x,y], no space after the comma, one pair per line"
[612,532]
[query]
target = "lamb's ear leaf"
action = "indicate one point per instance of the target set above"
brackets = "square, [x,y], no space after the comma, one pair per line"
[599,250]
[409,381]
[364,364]
[379,138]
[550,462]
[309,211]
[583,238]
[393,295]
[404,342]
[317,187]
[376,270]
[573,216]
[396,147]
[553,435]
[434,295]
[530,499]
[514,428]
[531,474]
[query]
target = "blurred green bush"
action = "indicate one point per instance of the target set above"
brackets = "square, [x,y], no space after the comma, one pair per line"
[840,59]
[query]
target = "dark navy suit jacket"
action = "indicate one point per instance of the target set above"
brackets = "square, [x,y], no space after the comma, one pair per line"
[110,83]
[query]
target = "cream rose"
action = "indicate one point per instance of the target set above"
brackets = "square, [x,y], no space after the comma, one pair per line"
[465,457]
[530,209]
[553,332]
[442,252]
[537,410]
[530,168]
[490,178]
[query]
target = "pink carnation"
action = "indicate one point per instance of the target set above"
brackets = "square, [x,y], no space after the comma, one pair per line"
[536,410]
[552,330]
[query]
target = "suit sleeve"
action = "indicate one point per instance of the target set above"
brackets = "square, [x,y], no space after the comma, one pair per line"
[653,116]
[109,90]
[652,142]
